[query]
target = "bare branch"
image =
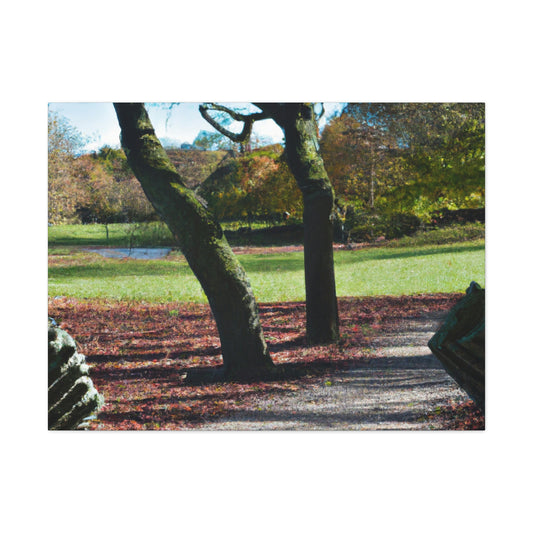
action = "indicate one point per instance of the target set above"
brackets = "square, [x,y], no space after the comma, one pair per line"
[169,112]
[322,110]
[248,121]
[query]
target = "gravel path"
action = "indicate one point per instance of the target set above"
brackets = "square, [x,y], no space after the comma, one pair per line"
[396,389]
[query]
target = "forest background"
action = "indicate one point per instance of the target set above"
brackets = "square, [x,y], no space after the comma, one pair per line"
[394,167]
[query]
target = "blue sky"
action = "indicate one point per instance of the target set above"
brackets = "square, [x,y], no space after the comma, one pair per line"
[98,123]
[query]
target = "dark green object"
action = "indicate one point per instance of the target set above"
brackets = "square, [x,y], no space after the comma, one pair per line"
[299,124]
[459,344]
[72,398]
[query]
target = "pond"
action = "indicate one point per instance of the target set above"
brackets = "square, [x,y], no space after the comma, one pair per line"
[131,253]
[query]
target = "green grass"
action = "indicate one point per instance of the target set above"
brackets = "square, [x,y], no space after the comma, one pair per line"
[145,234]
[120,235]
[274,277]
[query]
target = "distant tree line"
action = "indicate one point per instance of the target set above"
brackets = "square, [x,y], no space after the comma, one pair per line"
[391,165]
[407,158]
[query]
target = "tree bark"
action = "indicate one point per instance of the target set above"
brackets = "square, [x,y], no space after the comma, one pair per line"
[302,149]
[224,281]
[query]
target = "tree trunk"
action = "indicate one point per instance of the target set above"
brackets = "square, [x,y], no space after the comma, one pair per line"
[203,243]
[302,149]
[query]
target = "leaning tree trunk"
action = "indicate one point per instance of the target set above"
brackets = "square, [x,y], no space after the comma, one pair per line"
[302,149]
[203,243]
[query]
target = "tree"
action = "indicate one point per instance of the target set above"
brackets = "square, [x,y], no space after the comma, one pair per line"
[203,244]
[111,193]
[363,164]
[211,140]
[440,152]
[357,159]
[299,124]
[101,200]
[298,121]
[64,191]
[254,185]
[126,191]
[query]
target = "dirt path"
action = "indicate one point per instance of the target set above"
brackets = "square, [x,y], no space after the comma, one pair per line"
[396,389]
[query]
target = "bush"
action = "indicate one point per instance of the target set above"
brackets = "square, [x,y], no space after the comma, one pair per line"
[400,224]
[364,226]
[449,235]
[447,217]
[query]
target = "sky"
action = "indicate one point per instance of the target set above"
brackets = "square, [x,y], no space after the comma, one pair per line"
[97,122]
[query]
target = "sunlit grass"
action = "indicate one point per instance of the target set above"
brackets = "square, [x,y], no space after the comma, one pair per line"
[274,277]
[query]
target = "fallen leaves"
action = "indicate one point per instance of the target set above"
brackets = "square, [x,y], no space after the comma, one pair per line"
[459,416]
[139,354]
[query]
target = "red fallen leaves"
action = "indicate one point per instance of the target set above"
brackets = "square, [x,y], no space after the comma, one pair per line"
[462,416]
[139,354]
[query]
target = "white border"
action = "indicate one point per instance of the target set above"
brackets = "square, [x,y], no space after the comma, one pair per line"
[386,51]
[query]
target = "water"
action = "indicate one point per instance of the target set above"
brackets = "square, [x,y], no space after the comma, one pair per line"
[131,253]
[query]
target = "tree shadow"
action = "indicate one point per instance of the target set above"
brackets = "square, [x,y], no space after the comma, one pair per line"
[380,254]
[403,379]
[149,355]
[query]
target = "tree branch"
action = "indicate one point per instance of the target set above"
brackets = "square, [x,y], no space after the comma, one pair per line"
[322,111]
[248,121]
[272,110]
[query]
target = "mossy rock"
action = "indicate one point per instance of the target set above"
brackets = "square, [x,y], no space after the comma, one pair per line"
[459,344]
[72,397]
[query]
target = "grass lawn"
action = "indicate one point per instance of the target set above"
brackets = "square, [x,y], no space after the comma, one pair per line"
[145,234]
[276,277]
[154,233]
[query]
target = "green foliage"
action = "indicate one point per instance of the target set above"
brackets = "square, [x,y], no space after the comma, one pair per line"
[453,234]
[389,162]
[254,185]
[360,225]
[211,140]
[408,158]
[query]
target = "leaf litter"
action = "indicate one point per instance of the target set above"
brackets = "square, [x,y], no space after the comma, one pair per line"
[140,354]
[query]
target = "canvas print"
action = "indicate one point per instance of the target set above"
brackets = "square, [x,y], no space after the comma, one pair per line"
[266,266]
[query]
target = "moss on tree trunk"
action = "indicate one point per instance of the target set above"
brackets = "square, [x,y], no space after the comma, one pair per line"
[302,149]
[202,241]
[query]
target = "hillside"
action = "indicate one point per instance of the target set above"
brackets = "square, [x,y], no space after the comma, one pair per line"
[195,166]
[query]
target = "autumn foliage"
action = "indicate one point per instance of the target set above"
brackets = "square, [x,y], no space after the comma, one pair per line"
[250,186]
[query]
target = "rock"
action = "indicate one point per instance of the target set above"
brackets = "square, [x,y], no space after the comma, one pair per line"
[72,397]
[459,344]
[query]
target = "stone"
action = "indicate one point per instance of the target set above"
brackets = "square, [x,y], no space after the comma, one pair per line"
[459,344]
[72,397]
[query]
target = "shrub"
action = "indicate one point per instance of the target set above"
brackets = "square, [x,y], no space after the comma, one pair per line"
[399,224]
[364,226]
[449,235]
